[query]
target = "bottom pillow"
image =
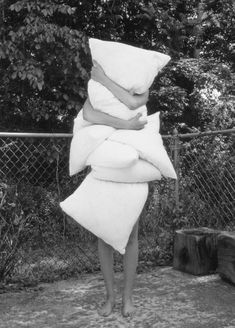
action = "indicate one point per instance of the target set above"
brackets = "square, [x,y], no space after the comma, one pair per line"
[141,171]
[108,209]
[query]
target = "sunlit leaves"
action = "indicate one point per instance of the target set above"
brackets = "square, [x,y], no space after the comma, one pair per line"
[44,54]
[45,61]
[195,94]
[46,8]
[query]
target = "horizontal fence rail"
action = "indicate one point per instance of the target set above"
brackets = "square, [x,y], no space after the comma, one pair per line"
[34,178]
[69,135]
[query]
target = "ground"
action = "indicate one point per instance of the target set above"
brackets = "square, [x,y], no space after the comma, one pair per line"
[164,298]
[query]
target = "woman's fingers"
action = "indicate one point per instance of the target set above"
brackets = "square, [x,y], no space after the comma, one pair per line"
[97,65]
[136,123]
[143,122]
[138,116]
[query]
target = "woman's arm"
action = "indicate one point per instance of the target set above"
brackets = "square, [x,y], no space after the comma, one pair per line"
[98,117]
[132,101]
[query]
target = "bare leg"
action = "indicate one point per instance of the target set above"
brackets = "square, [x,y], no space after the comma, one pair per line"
[130,262]
[106,262]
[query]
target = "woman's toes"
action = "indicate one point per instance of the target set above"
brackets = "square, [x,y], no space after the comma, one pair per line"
[128,308]
[107,308]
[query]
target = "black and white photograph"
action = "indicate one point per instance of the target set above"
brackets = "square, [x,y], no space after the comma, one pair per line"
[117,164]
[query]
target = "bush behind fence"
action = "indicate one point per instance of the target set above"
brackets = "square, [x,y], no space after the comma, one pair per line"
[39,242]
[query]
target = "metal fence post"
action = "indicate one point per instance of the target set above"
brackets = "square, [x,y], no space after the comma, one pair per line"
[176,150]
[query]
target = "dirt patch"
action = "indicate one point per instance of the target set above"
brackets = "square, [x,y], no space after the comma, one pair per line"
[164,298]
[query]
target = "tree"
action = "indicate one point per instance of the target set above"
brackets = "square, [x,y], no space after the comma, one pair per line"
[194,95]
[45,59]
[43,66]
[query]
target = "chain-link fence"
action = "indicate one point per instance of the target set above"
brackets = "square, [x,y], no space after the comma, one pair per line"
[205,188]
[37,159]
[40,242]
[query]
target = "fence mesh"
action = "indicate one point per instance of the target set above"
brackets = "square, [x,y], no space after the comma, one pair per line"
[206,171]
[38,161]
[40,242]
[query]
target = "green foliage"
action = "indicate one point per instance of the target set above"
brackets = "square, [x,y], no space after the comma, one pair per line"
[28,216]
[45,60]
[194,95]
[180,27]
[217,39]
[13,226]
[43,66]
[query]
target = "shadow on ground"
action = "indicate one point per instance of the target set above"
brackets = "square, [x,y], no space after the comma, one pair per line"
[164,298]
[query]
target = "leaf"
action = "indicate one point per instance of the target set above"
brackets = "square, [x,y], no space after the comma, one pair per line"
[23,76]
[16,220]
[2,54]
[16,7]
[70,11]
[14,75]
[40,85]
[45,12]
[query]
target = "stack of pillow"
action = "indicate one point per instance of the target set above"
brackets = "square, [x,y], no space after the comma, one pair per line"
[112,196]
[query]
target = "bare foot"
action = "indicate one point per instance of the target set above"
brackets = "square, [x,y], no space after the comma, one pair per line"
[128,308]
[106,309]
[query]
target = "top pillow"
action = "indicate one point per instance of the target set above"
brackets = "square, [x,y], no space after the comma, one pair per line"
[130,67]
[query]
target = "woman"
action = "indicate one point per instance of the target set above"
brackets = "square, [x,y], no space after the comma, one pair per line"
[105,251]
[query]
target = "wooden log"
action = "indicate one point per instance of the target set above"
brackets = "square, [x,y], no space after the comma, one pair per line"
[195,251]
[226,256]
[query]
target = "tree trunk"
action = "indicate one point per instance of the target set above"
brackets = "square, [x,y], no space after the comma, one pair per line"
[195,251]
[226,256]
[198,30]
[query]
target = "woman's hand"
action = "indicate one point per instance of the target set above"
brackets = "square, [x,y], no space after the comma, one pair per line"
[97,73]
[135,123]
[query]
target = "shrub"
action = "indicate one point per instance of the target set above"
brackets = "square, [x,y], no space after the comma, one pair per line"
[14,228]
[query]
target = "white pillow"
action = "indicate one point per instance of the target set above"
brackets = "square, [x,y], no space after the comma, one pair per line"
[141,171]
[130,67]
[153,122]
[149,146]
[113,155]
[109,210]
[79,122]
[84,142]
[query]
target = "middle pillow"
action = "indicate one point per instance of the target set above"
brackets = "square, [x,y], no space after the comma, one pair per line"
[139,172]
[113,154]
